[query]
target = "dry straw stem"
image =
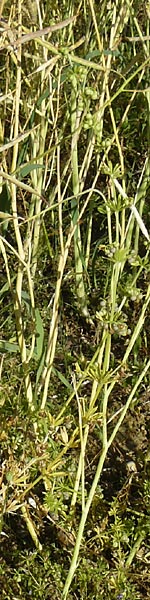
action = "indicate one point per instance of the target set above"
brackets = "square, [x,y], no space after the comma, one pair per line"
[38,212]
[35,35]
[117,26]
[20,184]
[17,139]
[4,254]
[39,145]
[108,389]
[39,141]
[105,89]
[18,293]
[54,322]
[23,266]
[41,32]
[75,128]
[38,148]
[2,3]
[107,441]
[143,38]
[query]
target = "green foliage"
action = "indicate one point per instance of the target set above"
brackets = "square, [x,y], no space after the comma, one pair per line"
[74,301]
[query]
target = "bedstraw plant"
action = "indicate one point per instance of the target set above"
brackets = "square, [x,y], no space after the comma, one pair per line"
[74,299]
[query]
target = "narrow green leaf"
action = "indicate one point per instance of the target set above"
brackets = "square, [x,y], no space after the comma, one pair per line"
[5,207]
[93,54]
[63,379]
[39,334]
[40,367]
[6,287]
[8,347]
[26,298]
[27,168]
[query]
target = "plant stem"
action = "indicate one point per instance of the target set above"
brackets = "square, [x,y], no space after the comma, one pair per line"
[75,121]
[85,512]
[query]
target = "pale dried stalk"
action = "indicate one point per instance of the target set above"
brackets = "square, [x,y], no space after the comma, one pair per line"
[16,140]
[50,354]
[18,293]
[60,216]
[37,179]
[35,34]
[4,254]
[20,184]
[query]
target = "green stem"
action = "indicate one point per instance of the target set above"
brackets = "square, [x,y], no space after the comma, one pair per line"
[74,561]
[75,122]
[135,549]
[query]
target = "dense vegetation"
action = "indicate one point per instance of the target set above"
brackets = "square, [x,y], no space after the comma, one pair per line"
[74,299]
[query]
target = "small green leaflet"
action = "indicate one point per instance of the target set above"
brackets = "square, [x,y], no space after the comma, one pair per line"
[39,334]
